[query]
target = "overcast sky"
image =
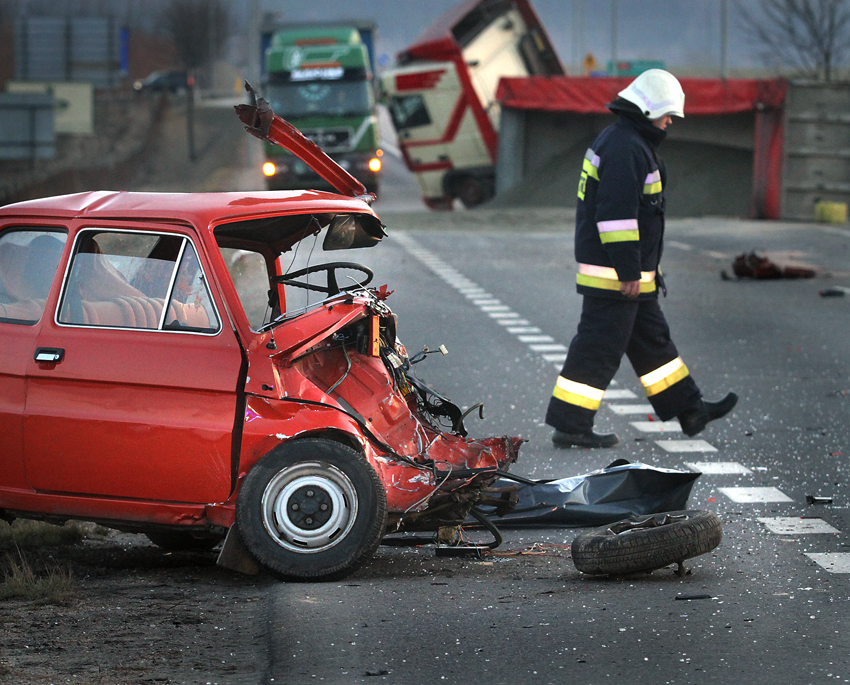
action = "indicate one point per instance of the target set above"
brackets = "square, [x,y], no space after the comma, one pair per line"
[685,34]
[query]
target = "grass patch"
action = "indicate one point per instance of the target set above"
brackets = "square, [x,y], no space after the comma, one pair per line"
[24,534]
[20,581]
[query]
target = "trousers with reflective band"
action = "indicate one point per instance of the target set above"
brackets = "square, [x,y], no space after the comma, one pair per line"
[607,330]
[605,278]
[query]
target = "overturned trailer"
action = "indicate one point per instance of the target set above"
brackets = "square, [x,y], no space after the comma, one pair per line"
[725,157]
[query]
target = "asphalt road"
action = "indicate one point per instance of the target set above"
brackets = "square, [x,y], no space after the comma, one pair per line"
[777,590]
[776,611]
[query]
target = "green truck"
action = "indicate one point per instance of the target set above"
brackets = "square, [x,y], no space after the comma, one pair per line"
[319,79]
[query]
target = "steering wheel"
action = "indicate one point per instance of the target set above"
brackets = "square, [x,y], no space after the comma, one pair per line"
[332,287]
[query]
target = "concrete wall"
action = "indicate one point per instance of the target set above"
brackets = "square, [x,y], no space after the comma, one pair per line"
[817,147]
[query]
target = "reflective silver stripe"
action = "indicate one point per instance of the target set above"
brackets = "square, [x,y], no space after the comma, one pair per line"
[617,225]
[611,273]
[664,376]
[578,394]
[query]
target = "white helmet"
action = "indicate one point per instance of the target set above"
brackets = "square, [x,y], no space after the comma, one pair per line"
[657,93]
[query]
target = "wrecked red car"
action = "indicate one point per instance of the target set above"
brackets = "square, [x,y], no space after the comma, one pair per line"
[156,377]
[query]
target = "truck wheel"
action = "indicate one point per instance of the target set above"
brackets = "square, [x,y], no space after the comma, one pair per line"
[473,191]
[181,541]
[646,543]
[311,509]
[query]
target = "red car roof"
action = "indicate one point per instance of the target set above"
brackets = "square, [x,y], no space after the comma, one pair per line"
[195,208]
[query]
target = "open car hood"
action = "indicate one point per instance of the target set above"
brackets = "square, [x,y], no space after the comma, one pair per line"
[262,122]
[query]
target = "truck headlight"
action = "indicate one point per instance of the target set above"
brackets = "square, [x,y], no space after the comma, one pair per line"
[374,165]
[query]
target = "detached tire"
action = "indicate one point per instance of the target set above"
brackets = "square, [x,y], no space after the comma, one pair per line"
[629,547]
[311,509]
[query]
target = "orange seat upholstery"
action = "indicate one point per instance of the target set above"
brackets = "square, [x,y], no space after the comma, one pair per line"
[189,315]
[124,312]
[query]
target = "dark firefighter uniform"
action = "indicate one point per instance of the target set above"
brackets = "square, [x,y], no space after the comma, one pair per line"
[619,237]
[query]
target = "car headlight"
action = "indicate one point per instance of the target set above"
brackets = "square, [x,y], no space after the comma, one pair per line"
[269,169]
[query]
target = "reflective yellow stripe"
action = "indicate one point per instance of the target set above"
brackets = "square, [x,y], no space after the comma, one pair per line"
[588,168]
[578,394]
[652,184]
[605,278]
[663,377]
[619,236]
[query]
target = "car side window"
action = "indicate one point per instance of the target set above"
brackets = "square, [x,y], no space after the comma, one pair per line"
[124,279]
[28,262]
[251,280]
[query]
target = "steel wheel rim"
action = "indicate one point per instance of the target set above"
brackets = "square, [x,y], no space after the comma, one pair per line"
[290,497]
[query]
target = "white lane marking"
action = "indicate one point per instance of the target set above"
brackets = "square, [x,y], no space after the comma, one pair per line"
[629,408]
[834,562]
[542,347]
[619,394]
[535,338]
[794,525]
[678,446]
[752,495]
[537,341]
[717,467]
[657,426]
[676,243]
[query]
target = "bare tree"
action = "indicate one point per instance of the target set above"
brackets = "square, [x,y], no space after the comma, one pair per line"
[198,28]
[810,35]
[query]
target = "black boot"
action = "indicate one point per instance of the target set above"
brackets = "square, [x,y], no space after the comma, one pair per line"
[588,439]
[695,419]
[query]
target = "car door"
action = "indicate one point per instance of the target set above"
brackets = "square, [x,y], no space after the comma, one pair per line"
[29,257]
[141,400]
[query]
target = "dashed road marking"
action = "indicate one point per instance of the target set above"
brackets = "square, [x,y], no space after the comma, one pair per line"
[717,467]
[794,525]
[754,495]
[619,394]
[657,426]
[834,562]
[629,408]
[678,446]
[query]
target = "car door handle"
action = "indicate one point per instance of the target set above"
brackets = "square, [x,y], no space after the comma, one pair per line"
[49,355]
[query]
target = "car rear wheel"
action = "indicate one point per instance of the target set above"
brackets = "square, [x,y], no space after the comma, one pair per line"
[311,509]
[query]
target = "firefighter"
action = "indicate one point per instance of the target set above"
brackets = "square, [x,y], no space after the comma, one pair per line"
[618,244]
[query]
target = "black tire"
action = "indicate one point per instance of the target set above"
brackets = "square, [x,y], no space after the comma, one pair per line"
[181,541]
[622,548]
[473,191]
[311,509]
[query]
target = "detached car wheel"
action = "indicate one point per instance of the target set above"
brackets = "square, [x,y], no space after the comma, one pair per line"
[646,543]
[312,509]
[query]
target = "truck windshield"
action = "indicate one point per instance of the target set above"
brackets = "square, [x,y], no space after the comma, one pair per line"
[337,98]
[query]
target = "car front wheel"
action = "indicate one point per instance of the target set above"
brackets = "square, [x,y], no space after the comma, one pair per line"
[311,509]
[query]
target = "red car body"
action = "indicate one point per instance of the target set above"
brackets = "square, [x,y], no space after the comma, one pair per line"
[138,390]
